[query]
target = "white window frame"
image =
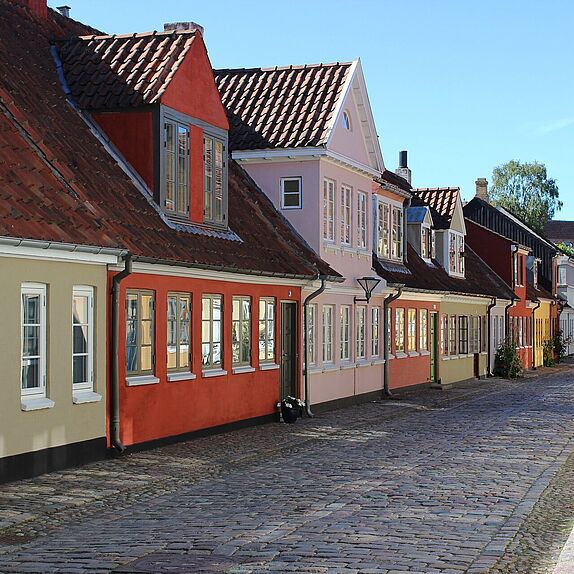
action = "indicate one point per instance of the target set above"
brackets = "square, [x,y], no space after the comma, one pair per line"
[375,332]
[179,296]
[41,290]
[346,120]
[212,365]
[426,247]
[345,339]
[384,230]
[209,191]
[400,329]
[88,292]
[312,334]
[176,209]
[328,210]
[241,319]
[562,274]
[346,214]
[361,332]
[397,231]
[412,329]
[327,314]
[361,220]
[455,253]
[423,330]
[299,193]
[267,323]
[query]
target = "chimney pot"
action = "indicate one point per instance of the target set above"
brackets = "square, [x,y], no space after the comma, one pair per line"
[403,169]
[482,188]
[183,26]
[64,10]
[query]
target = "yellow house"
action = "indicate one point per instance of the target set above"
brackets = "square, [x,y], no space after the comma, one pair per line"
[542,324]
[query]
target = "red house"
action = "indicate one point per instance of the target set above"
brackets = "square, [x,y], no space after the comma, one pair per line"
[205,316]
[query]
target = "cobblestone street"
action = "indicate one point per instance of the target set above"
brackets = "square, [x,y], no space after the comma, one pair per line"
[474,479]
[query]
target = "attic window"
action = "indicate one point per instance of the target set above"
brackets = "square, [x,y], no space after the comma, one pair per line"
[346,120]
[214,180]
[176,175]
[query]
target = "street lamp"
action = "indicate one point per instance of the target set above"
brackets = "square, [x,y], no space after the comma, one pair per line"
[368,284]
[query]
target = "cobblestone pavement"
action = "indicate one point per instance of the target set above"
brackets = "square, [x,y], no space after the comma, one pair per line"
[478,478]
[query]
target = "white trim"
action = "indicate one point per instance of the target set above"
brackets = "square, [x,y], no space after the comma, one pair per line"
[413,354]
[339,107]
[56,252]
[213,373]
[41,290]
[363,363]
[180,376]
[141,380]
[243,369]
[268,366]
[378,362]
[82,397]
[400,355]
[300,194]
[36,403]
[85,291]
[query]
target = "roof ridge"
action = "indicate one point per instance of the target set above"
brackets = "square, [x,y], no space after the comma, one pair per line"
[282,68]
[449,188]
[136,35]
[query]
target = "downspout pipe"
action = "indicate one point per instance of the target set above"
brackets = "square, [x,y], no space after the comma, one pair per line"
[387,301]
[308,299]
[489,328]
[507,319]
[115,387]
[533,329]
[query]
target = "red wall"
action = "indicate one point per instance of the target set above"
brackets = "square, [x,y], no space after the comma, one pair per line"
[408,371]
[494,249]
[171,408]
[192,90]
[132,134]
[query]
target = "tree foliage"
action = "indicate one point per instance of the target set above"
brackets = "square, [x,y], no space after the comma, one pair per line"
[569,250]
[526,190]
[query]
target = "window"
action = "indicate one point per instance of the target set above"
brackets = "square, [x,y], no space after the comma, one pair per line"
[140,333]
[33,320]
[346,120]
[561,274]
[515,267]
[463,335]
[433,244]
[241,331]
[412,330]
[426,242]
[329,210]
[178,332]
[474,334]
[345,332]
[456,253]
[214,180]
[483,335]
[267,330]
[444,335]
[397,233]
[346,194]
[291,193]
[399,330]
[375,328]
[452,335]
[312,334]
[495,335]
[460,254]
[423,334]
[361,220]
[361,331]
[383,230]
[521,272]
[176,144]
[327,333]
[211,333]
[83,338]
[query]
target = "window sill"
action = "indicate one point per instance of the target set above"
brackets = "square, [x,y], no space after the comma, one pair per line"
[213,373]
[390,356]
[180,376]
[36,403]
[346,365]
[329,368]
[413,354]
[315,371]
[445,357]
[141,380]
[378,362]
[363,363]
[401,355]
[82,397]
[425,353]
[243,369]
[268,366]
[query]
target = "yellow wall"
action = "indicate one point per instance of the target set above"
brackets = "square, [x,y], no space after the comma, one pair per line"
[543,330]
[66,422]
[453,370]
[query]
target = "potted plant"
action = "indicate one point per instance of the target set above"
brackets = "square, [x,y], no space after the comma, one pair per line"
[291,409]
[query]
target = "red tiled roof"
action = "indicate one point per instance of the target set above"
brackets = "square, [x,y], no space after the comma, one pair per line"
[281,107]
[558,231]
[58,183]
[479,279]
[111,72]
[397,180]
[442,199]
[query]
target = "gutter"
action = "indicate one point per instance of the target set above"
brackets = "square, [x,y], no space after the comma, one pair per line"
[489,328]
[308,299]
[59,246]
[533,328]
[387,301]
[115,386]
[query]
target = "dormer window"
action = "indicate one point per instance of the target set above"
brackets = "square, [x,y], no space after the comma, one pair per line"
[214,180]
[426,247]
[176,174]
[346,120]
[397,234]
[456,253]
[390,231]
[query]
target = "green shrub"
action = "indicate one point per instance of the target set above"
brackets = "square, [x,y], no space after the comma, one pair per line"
[548,358]
[507,362]
[560,345]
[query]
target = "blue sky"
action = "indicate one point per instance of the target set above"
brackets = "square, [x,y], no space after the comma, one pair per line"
[463,85]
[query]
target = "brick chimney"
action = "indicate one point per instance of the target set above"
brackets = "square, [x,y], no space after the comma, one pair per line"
[183,26]
[403,169]
[38,7]
[482,188]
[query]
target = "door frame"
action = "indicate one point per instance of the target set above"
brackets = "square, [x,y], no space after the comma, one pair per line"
[283,384]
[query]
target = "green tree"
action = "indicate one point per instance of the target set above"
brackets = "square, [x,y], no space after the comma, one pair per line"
[566,249]
[526,190]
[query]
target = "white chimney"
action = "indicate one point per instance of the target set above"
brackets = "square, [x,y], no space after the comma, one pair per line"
[403,169]
[183,27]
[64,11]
[482,188]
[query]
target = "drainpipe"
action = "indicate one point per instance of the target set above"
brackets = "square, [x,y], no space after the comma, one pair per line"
[308,299]
[506,318]
[387,301]
[115,390]
[533,329]
[488,352]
